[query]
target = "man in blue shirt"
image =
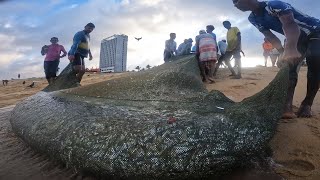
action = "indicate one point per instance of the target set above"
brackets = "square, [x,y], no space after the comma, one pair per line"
[80,49]
[222,45]
[302,34]
[182,47]
[209,30]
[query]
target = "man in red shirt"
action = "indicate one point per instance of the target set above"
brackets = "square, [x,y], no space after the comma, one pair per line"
[267,48]
[52,59]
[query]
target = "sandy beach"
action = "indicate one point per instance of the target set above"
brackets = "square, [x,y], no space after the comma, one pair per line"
[296,145]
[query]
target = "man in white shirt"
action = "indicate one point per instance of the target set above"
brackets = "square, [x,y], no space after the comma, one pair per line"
[170,48]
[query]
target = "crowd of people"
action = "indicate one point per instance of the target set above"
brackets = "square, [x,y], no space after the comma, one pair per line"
[210,53]
[302,35]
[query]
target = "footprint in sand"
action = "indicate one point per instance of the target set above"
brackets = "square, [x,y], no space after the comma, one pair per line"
[298,165]
[237,87]
[285,121]
[251,78]
[254,74]
[243,86]
[251,83]
[315,130]
[301,153]
[299,168]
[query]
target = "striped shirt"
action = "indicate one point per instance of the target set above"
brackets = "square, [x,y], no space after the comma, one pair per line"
[207,47]
[272,10]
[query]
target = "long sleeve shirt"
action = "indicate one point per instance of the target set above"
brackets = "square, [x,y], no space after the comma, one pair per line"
[80,44]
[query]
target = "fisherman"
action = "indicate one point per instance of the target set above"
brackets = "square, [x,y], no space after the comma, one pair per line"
[222,45]
[188,46]
[302,33]
[206,54]
[52,59]
[274,55]
[80,49]
[182,47]
[170,49]
[209,30]
[234,48]
[267,48]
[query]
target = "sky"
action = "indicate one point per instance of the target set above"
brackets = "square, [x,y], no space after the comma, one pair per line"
[27,25]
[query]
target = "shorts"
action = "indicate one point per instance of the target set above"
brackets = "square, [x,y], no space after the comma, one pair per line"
[167,55]
[312,55]
[51,68]
[78,60]
[308,46]
[266,53]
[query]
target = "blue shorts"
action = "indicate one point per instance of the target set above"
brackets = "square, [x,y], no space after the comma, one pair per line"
[78,60]
[51,68]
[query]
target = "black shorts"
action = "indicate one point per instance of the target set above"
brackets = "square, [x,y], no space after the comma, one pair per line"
[167,55]
[78,60]
[308,46]
[51,68]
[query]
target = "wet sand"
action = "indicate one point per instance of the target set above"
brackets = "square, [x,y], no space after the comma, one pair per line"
[18,161]
[296,145]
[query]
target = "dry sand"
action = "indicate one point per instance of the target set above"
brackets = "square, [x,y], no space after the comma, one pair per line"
[296,145]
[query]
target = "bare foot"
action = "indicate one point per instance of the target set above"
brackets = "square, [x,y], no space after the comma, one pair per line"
[208,82]
[211,80]
[305,111]
[288,115]
[205,81]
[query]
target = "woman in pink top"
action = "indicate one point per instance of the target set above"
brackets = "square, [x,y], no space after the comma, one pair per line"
[52,60]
